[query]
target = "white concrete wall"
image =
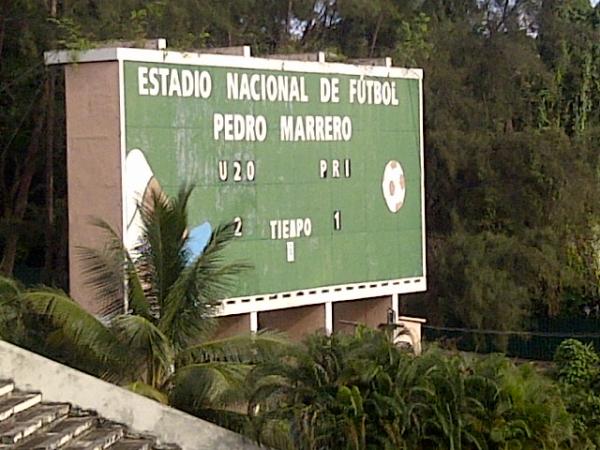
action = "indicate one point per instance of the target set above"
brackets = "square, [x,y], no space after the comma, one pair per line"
[59,383]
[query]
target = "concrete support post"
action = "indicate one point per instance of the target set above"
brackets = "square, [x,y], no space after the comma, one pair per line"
[254,321]
[396,305]
[328,318]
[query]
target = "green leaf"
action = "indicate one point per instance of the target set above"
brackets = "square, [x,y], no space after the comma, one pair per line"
[77,326]
[147,341]
[248,347]
[148,391]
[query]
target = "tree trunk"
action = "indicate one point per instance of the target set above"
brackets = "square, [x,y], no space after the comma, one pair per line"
[49,89]
[375,34]
[50,249]
[10,253]
[3,14]
[52,7]
[7,264]
[288,20]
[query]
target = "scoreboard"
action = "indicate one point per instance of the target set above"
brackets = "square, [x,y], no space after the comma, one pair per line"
[319,166]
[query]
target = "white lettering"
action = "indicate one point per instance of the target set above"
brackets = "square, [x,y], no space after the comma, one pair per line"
[154,83]
[290,228]
[286,229]
[330,90]
[223,170]
[218,123]
[286,128]
[205,84]
[174,84]
[187,83]
[232,86]
[273,225]
[254,93]
[142,80]
[339,168]
[372,92]
[315,128]
[335,168]
[163,72]
[260,87]
[323,168]
[238,127]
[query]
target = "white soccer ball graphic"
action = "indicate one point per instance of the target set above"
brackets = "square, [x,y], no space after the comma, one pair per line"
[393,186]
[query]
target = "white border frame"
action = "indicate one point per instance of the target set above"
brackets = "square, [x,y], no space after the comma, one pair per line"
[320,295]
[123,155]
[238,62]
[268,302]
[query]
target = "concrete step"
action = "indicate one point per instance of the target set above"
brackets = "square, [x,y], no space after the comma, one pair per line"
[59,434]
[17,401]
[25,423]
[6,387]
[97,438]
[132,444]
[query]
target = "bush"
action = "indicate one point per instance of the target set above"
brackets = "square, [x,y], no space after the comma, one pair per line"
[578,374]
[360,392]
[577,363]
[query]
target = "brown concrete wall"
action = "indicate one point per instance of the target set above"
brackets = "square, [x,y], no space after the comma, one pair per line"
[371,312]
[232,325]
[295,322]
[93,164]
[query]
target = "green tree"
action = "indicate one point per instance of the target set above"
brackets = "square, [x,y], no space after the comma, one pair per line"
[508,192]
[25,93]
[569,32]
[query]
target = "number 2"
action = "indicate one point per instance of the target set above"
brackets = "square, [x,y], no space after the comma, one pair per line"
[237,171]
[237,226]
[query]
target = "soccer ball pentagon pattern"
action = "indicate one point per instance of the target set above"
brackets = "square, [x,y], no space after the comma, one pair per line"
[393,186]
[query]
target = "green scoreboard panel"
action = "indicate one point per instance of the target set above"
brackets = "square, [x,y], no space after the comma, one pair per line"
[319,165]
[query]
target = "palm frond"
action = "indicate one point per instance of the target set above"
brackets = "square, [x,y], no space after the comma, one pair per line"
[248,348]
[9,287]
[137,299]
[77,326]
[209,385]
[107,269]
[185,318]
[148,391]
[104,268]
[55,345]
[11,311]
[192,298]
[214,277]
[274,433]
[146,344]
[164,236]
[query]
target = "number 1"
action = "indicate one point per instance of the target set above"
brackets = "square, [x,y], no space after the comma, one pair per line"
[337,220]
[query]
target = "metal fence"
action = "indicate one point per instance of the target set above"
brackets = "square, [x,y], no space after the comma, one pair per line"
[539,342]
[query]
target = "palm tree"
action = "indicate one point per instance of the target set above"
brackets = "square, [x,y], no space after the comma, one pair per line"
[361,392]
[318,395]
[163,344]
